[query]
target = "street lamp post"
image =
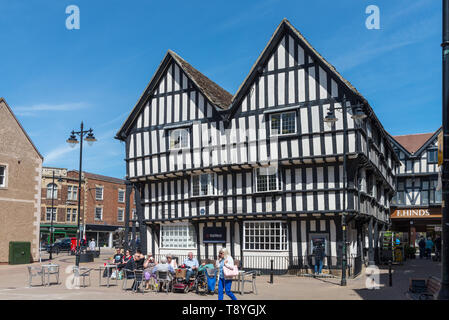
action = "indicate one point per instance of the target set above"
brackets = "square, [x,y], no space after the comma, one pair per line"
[73,141]
[330,118]
[52,209]
[443,294]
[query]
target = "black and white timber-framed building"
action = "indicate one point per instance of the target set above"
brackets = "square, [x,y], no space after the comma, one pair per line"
[416,208]
[259,170]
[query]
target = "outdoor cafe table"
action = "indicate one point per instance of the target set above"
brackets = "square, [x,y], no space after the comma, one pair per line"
[48,269]
[110,268]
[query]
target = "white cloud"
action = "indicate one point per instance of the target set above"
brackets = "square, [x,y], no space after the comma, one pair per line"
[34,110]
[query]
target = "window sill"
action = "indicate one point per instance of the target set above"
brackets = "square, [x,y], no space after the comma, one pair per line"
[267,192]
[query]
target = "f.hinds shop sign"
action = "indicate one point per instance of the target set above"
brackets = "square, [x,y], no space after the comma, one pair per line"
[417,213]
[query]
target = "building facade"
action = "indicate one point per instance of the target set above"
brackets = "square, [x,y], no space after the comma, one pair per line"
[259,172]
[102,206]
[416,208]
[20,185]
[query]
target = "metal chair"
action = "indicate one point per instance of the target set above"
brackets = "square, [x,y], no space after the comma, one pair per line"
[127,274]
[52,270]
[139,278]
[35,272]
[164,279]
[82,273]
[251,275]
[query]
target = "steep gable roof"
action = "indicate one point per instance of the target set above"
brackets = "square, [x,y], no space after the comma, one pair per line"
[216,95]
[415,143]
[211,90]
[286,26]
[2,100]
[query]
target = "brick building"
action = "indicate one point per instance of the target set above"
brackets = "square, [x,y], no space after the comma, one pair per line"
[102,206]
[20,185]
[65,203]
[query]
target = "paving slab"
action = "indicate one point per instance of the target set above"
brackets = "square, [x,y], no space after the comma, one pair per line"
[14,285]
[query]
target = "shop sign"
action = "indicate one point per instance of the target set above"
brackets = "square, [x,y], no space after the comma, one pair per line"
[214,235]
[417,213]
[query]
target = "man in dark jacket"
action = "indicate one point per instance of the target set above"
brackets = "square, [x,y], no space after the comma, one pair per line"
[318,251]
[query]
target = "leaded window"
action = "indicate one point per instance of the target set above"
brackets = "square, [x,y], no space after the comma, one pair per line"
[283,123]
[179,138]
[265,236]
[203,184]
[267,179]
[178,236]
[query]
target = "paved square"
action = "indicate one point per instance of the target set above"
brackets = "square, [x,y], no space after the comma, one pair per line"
[14,285]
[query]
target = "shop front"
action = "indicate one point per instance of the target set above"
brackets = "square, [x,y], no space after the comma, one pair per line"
[105,236]
[416,223]
[59,231]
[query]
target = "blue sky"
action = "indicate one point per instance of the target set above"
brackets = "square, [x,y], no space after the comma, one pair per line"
[54,78]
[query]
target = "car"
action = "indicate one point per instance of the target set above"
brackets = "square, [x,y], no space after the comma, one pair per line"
[61,244]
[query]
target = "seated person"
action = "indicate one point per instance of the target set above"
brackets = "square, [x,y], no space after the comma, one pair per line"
[191,265]
[127,262]
[172,261]
[148,266]
[118,257]
[164,266]
[139,259]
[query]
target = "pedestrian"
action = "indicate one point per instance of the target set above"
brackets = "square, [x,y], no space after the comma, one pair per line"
[429,246]
[422,247]
[438,248]
[224,261]
[92,245]
[318,251]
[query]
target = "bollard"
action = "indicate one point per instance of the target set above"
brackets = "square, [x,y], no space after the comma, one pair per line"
[271,272]
[390,276]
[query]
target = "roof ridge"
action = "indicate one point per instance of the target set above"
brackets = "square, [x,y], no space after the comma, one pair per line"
[213,91]
[20,125]
[413,134]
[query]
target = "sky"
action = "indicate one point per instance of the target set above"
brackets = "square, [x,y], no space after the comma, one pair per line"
[53,78]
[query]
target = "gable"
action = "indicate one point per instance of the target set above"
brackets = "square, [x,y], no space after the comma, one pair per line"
[177,92]
[289,75]
[11,129]
[412,145]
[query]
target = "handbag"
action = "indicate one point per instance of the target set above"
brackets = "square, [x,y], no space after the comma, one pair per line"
[230,273]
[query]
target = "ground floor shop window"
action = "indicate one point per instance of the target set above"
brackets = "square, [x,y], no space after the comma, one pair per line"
[178,236]
[265,235]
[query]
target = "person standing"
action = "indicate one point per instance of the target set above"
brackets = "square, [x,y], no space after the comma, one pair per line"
[318,251]
[438,248]
[92,245]
[224,261]
[429,246]
[422,247]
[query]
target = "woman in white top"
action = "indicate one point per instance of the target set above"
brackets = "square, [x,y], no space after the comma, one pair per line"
[224,261]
